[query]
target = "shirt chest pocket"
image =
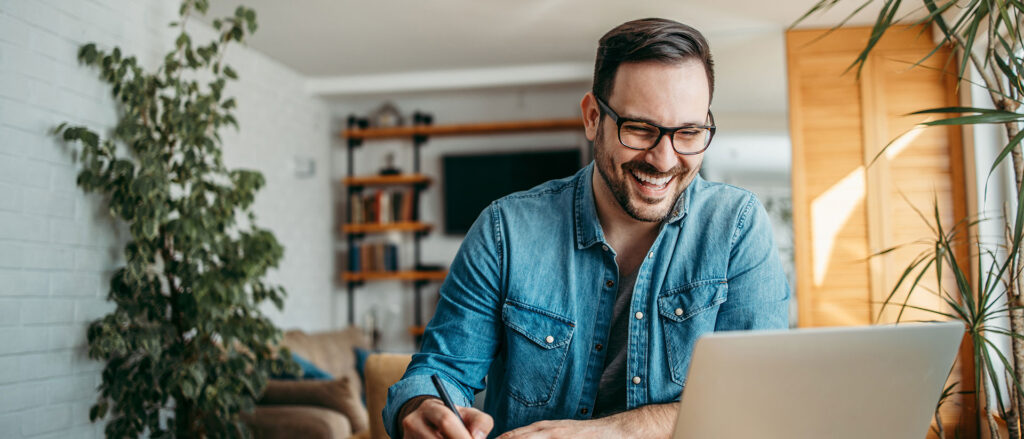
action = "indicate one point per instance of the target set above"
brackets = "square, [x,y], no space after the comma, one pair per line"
[686,313]
[538,342]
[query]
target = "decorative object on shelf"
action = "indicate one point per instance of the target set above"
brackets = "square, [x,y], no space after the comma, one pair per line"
[357,122]
[389,165]
[421,118]
[188,346]
[387,116]
[371,327]
[428,267]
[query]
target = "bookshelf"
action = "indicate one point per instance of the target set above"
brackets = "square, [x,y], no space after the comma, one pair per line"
[356,135]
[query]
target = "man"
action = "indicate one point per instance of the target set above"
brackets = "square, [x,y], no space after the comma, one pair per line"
[580,300]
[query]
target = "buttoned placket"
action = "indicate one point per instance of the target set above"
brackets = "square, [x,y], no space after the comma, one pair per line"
[640,328]
[608,290]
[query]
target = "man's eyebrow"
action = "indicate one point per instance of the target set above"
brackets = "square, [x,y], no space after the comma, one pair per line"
[652,122]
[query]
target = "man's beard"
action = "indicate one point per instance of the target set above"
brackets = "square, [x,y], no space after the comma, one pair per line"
[620,187]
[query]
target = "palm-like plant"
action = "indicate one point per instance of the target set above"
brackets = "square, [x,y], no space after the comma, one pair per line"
[985,34]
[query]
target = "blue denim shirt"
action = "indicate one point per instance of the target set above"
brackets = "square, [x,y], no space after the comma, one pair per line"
[529,298]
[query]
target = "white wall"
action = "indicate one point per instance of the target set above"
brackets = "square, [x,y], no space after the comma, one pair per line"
[58,246]
[751,149]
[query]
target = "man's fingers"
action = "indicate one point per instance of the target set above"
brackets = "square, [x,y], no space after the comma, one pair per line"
[477,422]
[443,420]
[415,427]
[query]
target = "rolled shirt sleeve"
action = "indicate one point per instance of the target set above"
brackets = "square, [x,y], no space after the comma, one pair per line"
[461,339]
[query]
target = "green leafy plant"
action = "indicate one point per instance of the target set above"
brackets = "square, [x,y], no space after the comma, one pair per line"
[985,34]
[187,348]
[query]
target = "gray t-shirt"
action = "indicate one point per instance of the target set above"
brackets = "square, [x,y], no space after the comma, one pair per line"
[611,391]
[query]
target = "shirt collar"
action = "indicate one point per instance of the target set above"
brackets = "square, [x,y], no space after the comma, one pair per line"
[588,227]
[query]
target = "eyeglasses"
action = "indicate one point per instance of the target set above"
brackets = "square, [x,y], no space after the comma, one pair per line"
[641,135]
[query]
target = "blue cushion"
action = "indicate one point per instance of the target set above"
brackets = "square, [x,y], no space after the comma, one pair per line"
[309,371]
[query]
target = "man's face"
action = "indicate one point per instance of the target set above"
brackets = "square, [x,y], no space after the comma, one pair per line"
[647,183]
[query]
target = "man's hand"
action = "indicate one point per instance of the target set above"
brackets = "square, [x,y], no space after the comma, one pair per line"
[597,428]
[432,419]
[650,421]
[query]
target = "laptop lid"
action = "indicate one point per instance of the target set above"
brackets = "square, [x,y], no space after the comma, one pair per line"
[847,382]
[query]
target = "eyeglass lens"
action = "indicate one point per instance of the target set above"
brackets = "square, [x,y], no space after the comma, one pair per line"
[640,135]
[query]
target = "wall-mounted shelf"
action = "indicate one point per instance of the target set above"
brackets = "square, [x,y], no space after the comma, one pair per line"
[409,226]
[407,275]
[467,129]
[385,180]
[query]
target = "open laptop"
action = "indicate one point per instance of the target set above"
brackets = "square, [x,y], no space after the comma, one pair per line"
[854,382]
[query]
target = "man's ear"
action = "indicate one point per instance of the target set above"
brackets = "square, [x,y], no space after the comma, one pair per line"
[591,115]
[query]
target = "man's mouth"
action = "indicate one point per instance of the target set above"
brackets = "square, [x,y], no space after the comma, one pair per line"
[651,181]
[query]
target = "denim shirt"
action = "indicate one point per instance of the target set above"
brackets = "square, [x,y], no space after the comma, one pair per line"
[527,304]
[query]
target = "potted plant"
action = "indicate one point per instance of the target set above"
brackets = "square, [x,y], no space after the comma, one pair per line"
[986,36]
[187,348]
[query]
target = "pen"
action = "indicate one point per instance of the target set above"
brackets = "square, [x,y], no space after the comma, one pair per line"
[444,397]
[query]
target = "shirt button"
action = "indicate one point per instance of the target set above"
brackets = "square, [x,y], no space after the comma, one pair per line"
[636,380]
[650,255]
[549,339]
[605,248]
[679,311]
[599,346]
[609,284]
[584,410]
[639,315]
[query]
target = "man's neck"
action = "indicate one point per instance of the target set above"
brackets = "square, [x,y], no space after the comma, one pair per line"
[627,235]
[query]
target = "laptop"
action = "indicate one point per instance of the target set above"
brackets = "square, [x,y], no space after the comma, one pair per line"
[853,382]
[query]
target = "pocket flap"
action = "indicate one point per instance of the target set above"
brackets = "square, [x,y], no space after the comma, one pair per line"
[683,303]
[544,328]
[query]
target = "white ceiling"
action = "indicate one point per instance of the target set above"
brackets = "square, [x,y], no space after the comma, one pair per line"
[382,47]
[330,38]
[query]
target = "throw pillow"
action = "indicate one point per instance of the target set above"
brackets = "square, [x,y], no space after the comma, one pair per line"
[338,395]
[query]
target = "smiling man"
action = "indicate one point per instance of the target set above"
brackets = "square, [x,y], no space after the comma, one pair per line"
[580,300]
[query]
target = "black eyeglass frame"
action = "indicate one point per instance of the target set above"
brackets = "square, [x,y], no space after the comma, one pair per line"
[671,131]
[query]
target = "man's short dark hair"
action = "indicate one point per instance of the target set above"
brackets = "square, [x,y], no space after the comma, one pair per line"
[649,39]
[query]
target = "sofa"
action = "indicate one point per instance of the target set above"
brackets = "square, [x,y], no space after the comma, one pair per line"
[328,409]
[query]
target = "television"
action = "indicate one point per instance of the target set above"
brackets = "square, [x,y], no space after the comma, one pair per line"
[471,182]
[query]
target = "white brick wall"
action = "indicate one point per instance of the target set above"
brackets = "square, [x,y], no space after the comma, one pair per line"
[58,246]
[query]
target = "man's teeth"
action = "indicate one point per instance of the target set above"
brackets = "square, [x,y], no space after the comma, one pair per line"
[651,180]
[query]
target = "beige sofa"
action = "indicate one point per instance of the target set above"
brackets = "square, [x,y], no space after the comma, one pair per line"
[328,409]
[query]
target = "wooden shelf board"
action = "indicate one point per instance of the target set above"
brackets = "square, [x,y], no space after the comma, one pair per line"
[409,275]
[408,226]
[380,180]
[464,129]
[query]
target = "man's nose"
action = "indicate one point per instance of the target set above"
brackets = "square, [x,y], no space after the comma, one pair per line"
[663,157]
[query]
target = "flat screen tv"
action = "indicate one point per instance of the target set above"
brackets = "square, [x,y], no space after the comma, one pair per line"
[472,182]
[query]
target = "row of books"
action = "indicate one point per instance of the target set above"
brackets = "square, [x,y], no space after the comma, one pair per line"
[382,207]
[373,257]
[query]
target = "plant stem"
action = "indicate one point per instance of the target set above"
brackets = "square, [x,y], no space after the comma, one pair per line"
[1013,298]
[1000,101]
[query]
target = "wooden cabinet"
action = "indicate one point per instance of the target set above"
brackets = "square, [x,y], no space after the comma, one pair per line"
[866,177]
[851,200]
